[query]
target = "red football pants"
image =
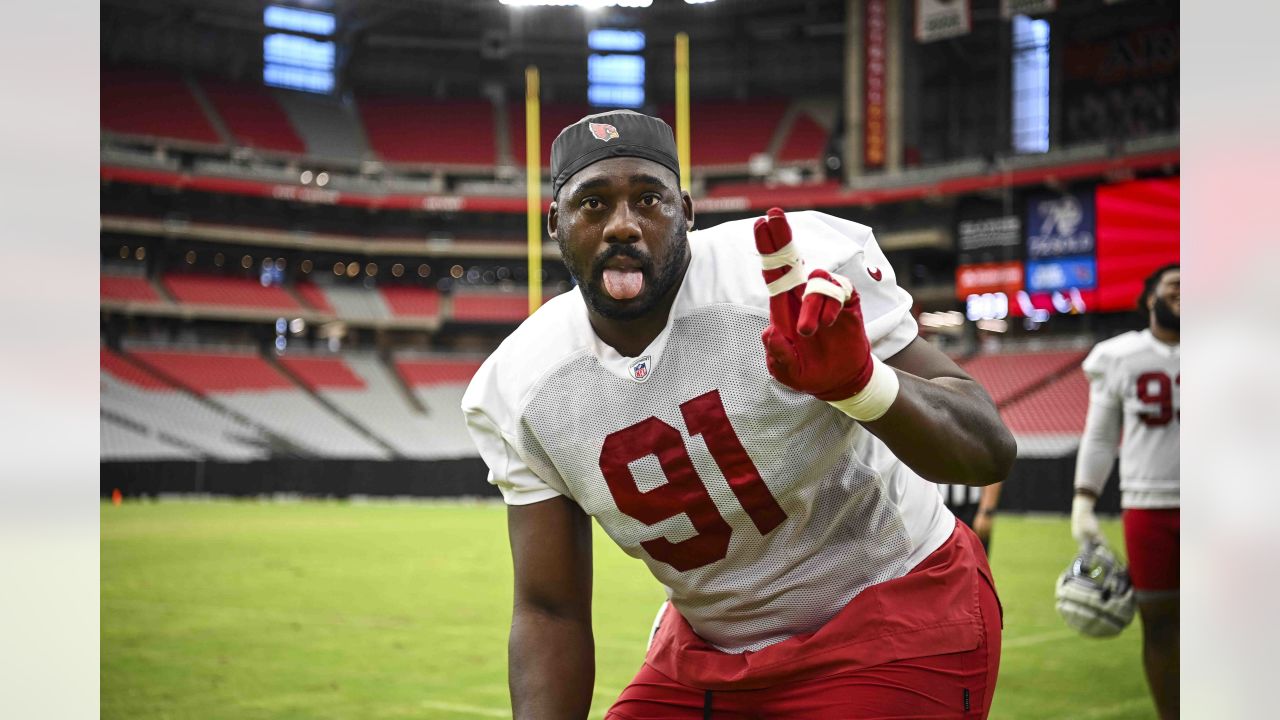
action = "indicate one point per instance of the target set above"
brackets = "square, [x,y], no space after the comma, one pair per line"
[1151,541]
[950,685]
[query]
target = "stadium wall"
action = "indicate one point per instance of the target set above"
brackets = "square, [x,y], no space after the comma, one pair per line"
[1034,485]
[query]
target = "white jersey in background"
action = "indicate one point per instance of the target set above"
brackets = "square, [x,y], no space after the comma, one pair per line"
[1136,376]
[763,510]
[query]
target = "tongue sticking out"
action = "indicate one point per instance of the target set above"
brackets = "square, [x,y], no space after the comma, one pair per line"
[623,284]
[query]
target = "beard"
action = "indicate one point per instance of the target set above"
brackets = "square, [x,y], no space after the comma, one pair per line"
[1166,316]
[658,281]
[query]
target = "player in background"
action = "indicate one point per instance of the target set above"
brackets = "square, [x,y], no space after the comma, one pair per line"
[975,507]
[765,445]
[1133,393]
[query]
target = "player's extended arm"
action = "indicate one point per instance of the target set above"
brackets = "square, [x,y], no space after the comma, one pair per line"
[551,651]
[933,416]
[1099,446]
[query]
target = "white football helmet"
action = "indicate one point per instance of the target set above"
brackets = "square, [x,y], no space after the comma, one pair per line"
[1094,593]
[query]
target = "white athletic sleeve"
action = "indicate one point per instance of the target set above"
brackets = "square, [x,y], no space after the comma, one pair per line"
[487,412]
[886,307]
[1100,443]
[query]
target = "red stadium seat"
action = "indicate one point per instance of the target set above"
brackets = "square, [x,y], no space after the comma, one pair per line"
[410,301]
[805,142]
[1059,407]
[729,132]
[554,119]
[420,373]
[153,104]
[253,116]
[129,289]
[112,363]
[213,372]
[228,292]
[490,307]
[1008,376]
[323,373]
[420,131]
[314,296]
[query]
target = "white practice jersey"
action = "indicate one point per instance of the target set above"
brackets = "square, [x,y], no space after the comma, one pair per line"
[763,510]
[1138,376]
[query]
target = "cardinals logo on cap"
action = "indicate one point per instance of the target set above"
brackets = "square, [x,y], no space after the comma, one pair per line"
[603,131]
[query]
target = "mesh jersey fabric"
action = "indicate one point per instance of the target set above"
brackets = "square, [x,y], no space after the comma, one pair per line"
[555,412]
[1138,376]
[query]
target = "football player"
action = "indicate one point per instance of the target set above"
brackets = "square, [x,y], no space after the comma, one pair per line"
[1134,387]
[764,444]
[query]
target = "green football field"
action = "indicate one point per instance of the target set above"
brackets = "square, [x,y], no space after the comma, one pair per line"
[400,610]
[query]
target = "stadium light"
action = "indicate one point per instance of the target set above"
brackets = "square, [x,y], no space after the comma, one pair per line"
[698,2]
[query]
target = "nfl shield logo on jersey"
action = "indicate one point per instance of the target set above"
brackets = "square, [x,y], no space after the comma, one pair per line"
[640,369]
[603,131]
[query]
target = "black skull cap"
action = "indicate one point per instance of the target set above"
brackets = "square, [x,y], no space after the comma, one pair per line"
[615,133]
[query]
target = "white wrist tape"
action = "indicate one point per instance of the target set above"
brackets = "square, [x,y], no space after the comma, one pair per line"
[875,399]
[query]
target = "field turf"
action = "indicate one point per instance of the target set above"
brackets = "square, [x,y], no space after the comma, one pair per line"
[386,610]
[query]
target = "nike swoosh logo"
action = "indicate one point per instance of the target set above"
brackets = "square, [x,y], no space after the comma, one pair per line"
[875,274]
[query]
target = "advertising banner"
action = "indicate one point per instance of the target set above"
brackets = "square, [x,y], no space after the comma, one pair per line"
[1004,277]
[875,34]
[941,19]
[1059,225]
[1061,274]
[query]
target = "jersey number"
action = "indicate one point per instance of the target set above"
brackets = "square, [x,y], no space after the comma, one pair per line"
[1155,388]
[684,491]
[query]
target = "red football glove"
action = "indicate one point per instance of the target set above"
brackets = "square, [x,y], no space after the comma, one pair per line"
[815,342]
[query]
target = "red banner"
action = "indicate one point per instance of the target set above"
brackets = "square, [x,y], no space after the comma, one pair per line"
[874,33]
[1005,277]
[1137,232]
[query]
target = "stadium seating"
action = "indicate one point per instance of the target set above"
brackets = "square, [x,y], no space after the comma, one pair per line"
[420,131]
[145,416]
[482,307]
[439,383]
[253,116]
[1048,422]
[329,128]
[728,133]
[408,301]
[554,119]
[128,288]
[1008,376]
[153,104]
[236,292]
[248,385]
[314,296]
[805,141]
[366,390]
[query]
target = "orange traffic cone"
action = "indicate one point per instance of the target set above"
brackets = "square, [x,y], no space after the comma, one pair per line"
[116,496]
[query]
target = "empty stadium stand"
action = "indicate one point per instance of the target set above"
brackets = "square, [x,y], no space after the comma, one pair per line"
[1049,421]
[438,383]
[1009,376]
[248,385]
[804,142]
[153,104]
[482,307]
[128,288]
[361,386]
[407,301]
[728,133]
[329,128]
[232,292]
[253,116]
[426,132]
[146,417]
[555,117]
